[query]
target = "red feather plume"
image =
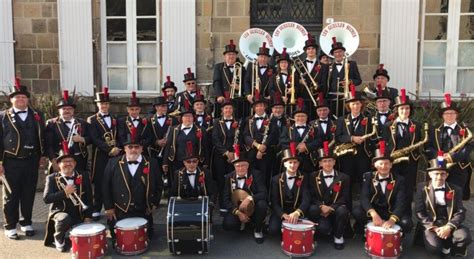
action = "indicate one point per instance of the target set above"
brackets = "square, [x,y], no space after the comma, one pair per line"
[334,40]
[293,148]
[106,91]
[133,134]
[65,147]
[447,98]
[237,151]
[17,83]
[326,147]
[300,103]
[66,95]
[403,95]
[381,67]
[382,147]
[353,90]
[189,71]
[189,147]
[264,44]
[168,79]
[379,90]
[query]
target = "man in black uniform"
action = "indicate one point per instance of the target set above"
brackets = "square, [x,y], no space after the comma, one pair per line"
[382,111]
[103,132]
[21,147]
[60,190]
[265,71]
[289,196]
[382,197]
[447,136]
[190,91]
[133,120]
[130,188]
[245,197]
[169,92]
[330,193]
[381,78]
[278,123]
[336,78]
[325,125]
[439,208]
[66,127]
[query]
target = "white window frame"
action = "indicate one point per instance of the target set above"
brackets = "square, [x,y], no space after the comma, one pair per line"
[452,51]
[131,46]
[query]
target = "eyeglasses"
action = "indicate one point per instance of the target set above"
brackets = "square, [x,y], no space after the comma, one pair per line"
[133,146]
[194,161]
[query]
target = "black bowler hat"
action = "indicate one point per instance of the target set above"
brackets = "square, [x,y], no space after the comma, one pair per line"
[134,101]
[66,100]
[336,45]
[102,97]
[381,72]
[160,100]
[169,84]
[18,89]
[189,76]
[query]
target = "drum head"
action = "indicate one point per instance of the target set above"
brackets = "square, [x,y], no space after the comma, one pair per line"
[131,223]
[302,225]
[87,229]
[379,229]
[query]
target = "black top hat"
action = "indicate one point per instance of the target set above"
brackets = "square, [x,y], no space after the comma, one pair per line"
[381,153]
[133,138]
[186,108]
[277,100]
[237,155]
[336,45]
[447,105]
[134,101]
[199,98]
[300,107]
[66,100]
[263,50]
[325,152]
[353,95]
[437,163]
[402,99]
[230,48]
[102,97]
[310,42]
[382,94]
[321,101]
[18,89]
[227,100]
[290,153]
[189,75]
[64,152]
[283,56]
[160,100]
[190,153]
[258,98]
[169,84]
[381,72]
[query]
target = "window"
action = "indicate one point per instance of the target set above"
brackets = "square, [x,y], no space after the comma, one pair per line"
[447,46]
[268,14]
[130,45]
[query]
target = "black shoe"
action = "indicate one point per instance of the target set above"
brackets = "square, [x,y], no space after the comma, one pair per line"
[30,233]
[13,237]
[258,237]
[339,246]
[445,256]
[459,251]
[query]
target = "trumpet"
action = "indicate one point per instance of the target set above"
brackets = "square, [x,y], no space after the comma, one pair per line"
[75,198]
[236,80]
[109,139]
[72,132]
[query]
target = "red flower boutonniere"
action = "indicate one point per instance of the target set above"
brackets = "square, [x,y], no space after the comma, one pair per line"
[449,195]
[146,170]
[337,187]
[462,132]
[201,179]
[37,117]
[168,121]
[265,122]
[208,118]
[364,122]
[412,128]
[79,129]
[333,129]
[235,124]
[390,186]
[317,68]
[114,122]
[144,121]
[298,182]
[269,72]
[311,133]
[391,117]
[78,180]
[199,133]
[249,181]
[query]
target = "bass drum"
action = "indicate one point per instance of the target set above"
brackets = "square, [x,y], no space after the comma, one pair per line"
[188,225]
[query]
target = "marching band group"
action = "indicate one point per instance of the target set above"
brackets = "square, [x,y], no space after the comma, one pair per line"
[295,139]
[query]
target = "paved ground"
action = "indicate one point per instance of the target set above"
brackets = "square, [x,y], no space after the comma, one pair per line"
[230,245]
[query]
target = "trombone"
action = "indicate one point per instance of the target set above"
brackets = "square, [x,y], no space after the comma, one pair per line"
[75,198]
[236,80]
[255,77]
[303,71]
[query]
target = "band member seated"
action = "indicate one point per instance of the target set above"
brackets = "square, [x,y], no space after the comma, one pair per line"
[264,71]
[382,198]
[130,188]
[105,145]
[303,135]
[289,194]
[381,78]
[67,127]
[133,120]
[245,197]
[190,91]
[329,190]
[453,139]
[65,190]
[169,91]
[439,208]
[21,146]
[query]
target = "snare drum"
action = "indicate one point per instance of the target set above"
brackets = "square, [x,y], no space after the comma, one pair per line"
[132,237]
[297,239]
[88,240]
[188,225]
[381,242]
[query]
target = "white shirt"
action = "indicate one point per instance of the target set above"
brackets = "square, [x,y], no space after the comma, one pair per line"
[339,67]
[186,131]
[135,123]
[132,168]
[284,77]
[22,115]
[324,126]
[358,121]
[262,69]
[161,121]
[69,124]
[400,129]
[192,94]
[290,182]
[192,177]
[330,179]
[231,68]
[309,65]
[107,119]
[228,124]
[259,122]
[241,182]
[383,184]
[300,130]
[439,196]
[383,117]
[451,127]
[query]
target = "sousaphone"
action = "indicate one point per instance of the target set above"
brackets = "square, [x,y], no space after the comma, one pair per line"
[251,40]
[344,33]
[290,35]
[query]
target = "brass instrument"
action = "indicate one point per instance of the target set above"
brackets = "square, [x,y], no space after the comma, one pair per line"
[160,154]
[292,88]
[402,154]
[75,198]
[303,71]
[460,145]
[346,77]
[255,78]
[267,129]
[72,132]
[236,80]
[238,195]
[350,148]
[109,139]
[368,92]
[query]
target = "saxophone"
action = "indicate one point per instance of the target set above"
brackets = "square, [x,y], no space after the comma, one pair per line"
[351,147]
[460,145]
[401,155]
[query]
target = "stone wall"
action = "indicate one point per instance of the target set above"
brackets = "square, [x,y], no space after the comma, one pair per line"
[35,28]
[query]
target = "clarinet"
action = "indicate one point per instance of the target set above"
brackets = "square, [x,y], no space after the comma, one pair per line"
[165,137]
[267,128]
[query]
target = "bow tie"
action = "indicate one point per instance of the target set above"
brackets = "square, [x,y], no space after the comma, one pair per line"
[447,128]
[442,189]
[132,162]
[186,128]
[326,122]
[192,92]
[260,67]
[19,112]
[355,119]
[300,127]
[228,120]
[230,66]
[189,174]
[403,124]
[338,64]
[328,176]
[383,114]
[69,177]
[384,179]
[136,120]
[200,115]
[68,122]
[309,61]
[105,115]
[291,177]
[241,177]
[161,117]
[259,118]
[284,74]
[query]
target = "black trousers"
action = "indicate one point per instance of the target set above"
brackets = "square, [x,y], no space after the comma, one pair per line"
[408,170]
[460,238]
[232,222]
[99,162]
[62,223]
[22,176]
[333,224]
[262,165]
[220,168]
[459,177]
[360,215]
